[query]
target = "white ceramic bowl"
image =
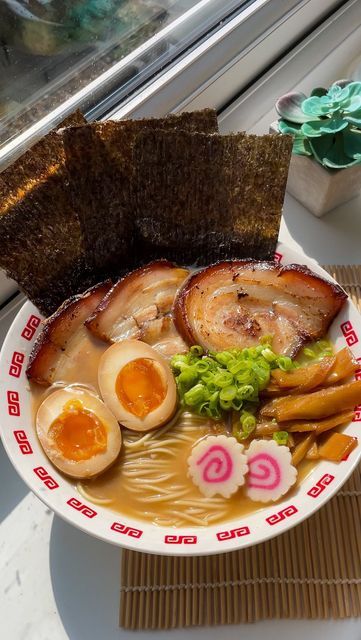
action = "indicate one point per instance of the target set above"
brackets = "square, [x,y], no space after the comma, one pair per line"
[59,494]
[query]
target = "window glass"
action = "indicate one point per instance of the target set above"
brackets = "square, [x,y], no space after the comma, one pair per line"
[53,49]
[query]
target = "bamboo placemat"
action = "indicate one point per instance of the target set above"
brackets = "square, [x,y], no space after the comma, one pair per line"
[311,571]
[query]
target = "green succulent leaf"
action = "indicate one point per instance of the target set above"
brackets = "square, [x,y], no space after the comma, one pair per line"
[330,152]
[354,118]
[337,93]
[330,164]
[318,106]
[352,143]
[317,128]
[301,147]
[289,107]
[352,104]
[353,89]
[326,125]
[289,127]
[312,129]
[334,126]
[321,146]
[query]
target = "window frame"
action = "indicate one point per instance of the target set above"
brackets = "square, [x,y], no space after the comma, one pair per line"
[235,54]
[213,73]
[318,60]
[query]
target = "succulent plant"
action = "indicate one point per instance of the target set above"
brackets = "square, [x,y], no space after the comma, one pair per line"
[326,125]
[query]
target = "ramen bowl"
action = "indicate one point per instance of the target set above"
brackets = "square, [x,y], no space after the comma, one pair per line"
[60,494]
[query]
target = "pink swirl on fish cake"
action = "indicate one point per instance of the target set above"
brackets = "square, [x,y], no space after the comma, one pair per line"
[219,466]
[263,472]
[270,471]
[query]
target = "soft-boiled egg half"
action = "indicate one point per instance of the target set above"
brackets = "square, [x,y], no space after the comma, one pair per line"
[78,433]
[137,385]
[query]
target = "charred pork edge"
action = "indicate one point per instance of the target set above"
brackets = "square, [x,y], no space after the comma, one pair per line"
[179,308]
[91,322]
[50,322]
[179,311]
[302,268]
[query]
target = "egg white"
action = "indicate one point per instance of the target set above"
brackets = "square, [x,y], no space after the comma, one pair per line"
[112,362]
[52,407]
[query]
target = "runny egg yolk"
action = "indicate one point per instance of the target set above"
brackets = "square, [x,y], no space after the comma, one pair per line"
[139,387]
[78,433]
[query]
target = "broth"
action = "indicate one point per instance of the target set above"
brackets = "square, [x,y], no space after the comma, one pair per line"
[161,491]
[149,480]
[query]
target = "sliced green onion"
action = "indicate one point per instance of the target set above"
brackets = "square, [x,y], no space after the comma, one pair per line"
[213,401]
[179,361]
[225,404]
[195,395]
[237,404]
[231,380]
[309,353]
[324,345]
[285,363]
[318,350]
[201,366]
[197,350]
[228,393]
[239,434]
[248,423]
[281,437]
[223,379]
[269,355]
[245,392]
[244,377]
[235,366]
[244,429]
[187,376]
[247,353]
[247,418]
[224,357]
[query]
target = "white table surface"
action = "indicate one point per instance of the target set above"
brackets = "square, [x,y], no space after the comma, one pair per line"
[57,583]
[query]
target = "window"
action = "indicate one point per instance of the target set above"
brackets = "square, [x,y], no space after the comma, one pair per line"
[114,56]
[57,55]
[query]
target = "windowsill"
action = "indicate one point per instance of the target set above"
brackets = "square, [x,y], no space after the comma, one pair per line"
[319,61]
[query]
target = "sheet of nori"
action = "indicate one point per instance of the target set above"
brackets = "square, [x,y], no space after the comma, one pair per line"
[41,243]
[202,198]
[99,158]
[102,198]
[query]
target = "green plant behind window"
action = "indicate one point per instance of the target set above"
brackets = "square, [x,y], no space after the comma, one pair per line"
[325,126]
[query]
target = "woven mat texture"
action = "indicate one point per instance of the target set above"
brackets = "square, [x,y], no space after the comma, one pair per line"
[311,571]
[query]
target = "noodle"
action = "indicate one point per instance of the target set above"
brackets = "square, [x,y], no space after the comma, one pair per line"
[147,475]
[150,481]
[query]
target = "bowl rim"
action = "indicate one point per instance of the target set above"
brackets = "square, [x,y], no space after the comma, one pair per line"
[140,535]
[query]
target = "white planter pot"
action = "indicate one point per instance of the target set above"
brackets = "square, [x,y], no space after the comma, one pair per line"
[319,189]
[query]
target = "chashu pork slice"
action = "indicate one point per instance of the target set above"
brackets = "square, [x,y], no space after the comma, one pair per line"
[139,306]
[59,344]
[235,303]
[162,335]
